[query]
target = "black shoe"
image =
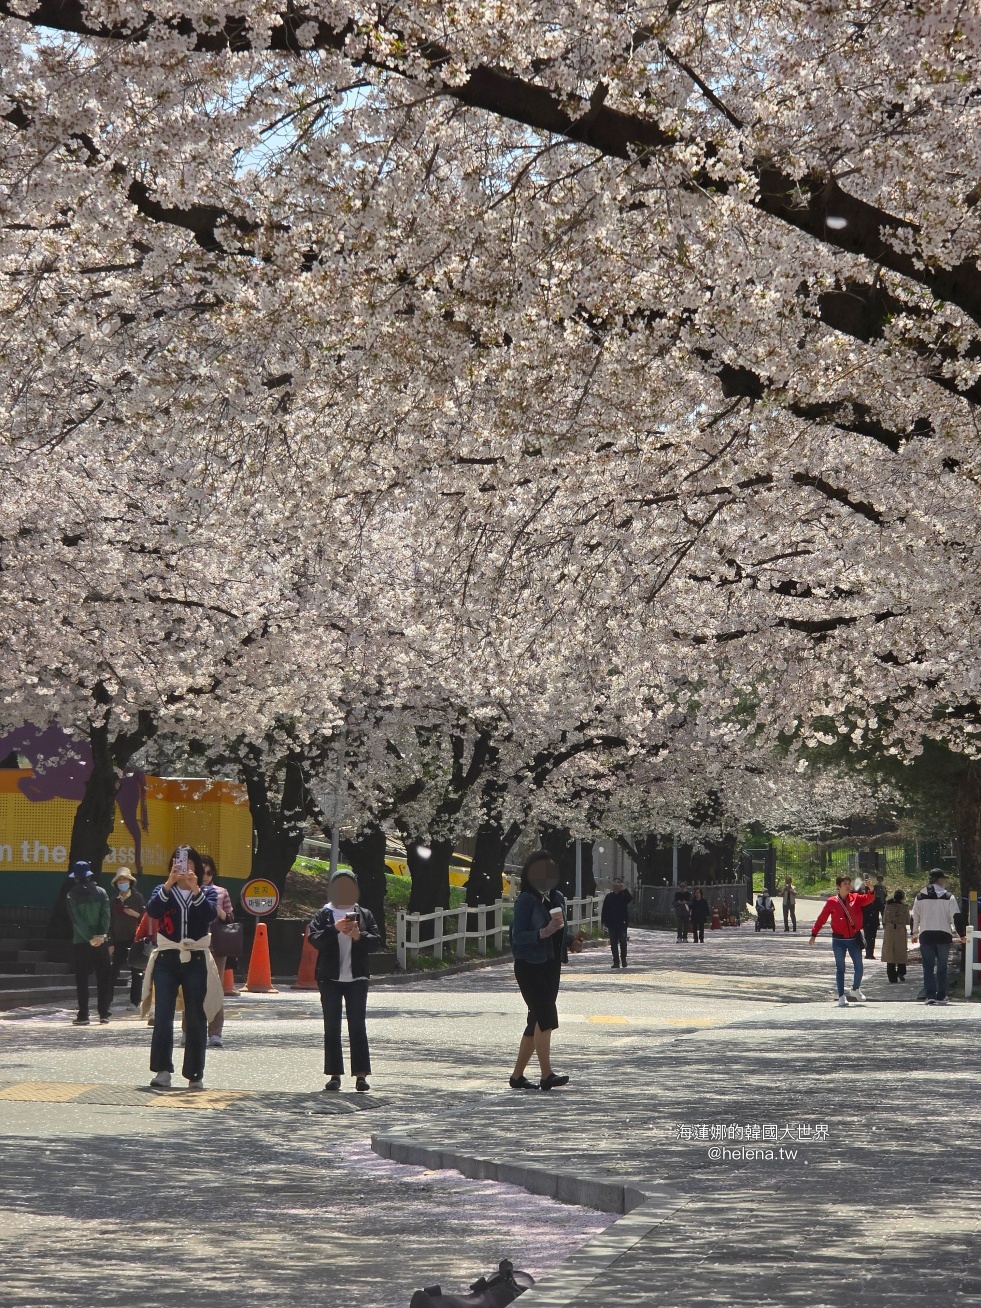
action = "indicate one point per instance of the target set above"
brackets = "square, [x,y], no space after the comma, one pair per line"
[615,967]
[81,1021]
[361,1084]
[552,1080]
[521,1083]
[103,1019]
[333,1084]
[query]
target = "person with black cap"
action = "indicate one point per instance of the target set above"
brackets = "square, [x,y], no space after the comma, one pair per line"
[933,924]
[343,934]
[88,908]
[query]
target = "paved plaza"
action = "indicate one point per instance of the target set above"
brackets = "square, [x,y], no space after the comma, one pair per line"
[655,1178]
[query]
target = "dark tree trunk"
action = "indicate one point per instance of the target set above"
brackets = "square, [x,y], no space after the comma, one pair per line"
[559,842]
[430,876]
[366,855]
[279,831]
[491,848]
[968,813]
[95,816]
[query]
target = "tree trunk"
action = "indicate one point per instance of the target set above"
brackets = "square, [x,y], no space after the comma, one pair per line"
[366,855]
[430,877]
[95,816]
[559,842]
[278,832]
[968,811]
[491,848]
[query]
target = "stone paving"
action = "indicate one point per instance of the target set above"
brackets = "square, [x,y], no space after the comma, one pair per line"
[266,1190]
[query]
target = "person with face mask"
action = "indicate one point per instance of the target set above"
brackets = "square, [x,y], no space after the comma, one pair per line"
[539,939]
[343,934]
[127,909]
[88,908]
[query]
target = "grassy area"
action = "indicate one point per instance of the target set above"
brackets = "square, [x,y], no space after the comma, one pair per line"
[306,892]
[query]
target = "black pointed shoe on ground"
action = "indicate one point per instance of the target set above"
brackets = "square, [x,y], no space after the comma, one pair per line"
[491,1292]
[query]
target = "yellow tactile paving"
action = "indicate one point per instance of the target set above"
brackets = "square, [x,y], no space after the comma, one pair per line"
[44,1092]
[612,1021]
[691,1021]
[196,1098]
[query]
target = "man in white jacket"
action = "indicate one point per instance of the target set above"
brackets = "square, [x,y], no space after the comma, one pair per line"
[933,924]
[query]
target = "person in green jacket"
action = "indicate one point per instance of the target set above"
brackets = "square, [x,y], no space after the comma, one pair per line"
[88,908]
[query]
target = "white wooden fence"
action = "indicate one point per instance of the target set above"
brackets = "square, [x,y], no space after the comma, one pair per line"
[970,964]
[450,927]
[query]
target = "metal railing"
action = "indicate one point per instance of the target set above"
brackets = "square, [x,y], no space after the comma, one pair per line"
[450,928]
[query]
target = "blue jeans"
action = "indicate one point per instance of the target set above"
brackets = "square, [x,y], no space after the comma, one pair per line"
[935,956]
[853,949]
[169,976]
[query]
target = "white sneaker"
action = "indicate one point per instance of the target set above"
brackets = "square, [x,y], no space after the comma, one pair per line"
[196,1083]
[856,996]
[842,1002]
[214,1042]
[161,1081]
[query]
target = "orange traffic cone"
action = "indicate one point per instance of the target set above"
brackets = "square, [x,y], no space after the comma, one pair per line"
[260,970]
[228,982]
[306,976]
[716,920]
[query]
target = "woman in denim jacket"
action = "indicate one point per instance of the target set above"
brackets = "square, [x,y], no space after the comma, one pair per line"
[539,945]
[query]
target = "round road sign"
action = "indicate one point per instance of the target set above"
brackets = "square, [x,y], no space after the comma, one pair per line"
[259,897]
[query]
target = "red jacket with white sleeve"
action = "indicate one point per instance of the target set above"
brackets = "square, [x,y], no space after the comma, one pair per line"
[845,914]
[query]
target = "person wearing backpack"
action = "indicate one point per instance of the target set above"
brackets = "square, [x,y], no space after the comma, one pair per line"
[844,909]
[934,925]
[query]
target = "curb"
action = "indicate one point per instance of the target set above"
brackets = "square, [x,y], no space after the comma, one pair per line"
[566,1187]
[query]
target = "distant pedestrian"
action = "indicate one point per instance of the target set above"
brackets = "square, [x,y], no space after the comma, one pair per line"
[344,933]
[226,913]
[613,915]
[699,916]
[88,908]
[845,911]
[933,924]
[682,910]
[766,914]
[127,909]
[895,950]
[539,939]
[184,911]
[881,893]
[871,915]
[789,897]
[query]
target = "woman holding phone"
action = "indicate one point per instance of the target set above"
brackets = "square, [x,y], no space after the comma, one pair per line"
[539,938]
[183,909]
[343,934]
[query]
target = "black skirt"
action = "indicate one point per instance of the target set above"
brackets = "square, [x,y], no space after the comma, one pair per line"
[539,986]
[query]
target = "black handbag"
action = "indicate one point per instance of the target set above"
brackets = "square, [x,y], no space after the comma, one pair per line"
[138,957]
[226,939]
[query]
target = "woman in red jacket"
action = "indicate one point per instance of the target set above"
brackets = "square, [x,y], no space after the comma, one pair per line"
[845,911]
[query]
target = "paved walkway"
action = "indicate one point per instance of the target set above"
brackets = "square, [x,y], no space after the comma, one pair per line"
[96,1196]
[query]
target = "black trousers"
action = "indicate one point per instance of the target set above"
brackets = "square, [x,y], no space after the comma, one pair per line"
[698,931]
[791,913]
[896,971]
[169,976]
[683,919]
[89,958]
[618,943]
[353,995]
[870,933]
[120,954]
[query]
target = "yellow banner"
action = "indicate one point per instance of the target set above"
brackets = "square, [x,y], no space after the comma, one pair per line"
[213,816]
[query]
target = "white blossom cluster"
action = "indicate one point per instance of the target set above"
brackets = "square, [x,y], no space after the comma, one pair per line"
[546,376]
